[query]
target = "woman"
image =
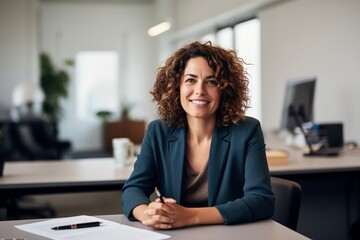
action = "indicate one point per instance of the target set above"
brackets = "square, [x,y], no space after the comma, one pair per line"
[204,155]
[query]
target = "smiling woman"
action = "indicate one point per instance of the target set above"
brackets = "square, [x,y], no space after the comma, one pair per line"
[205,156]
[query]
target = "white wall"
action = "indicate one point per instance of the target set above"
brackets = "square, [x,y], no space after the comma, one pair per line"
[68,27]
[18,56]
[322,38]
[190,12]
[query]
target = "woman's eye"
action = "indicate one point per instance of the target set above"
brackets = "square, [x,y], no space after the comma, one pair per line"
[213,82]
[190,80]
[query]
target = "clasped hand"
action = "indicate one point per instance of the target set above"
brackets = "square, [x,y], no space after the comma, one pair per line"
[167,215]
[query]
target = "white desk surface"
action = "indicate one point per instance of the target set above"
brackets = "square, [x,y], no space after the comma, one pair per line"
[102,171]
[347,161]
[63,176]
[267,229]
[80,170]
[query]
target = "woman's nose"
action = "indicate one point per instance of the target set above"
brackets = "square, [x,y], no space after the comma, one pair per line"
[200,89]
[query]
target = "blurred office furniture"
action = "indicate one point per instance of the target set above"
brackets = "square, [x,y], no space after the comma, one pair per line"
[39,140]
[27,135]
[23,179]
[7,143]
[28,140]
[27,99]
[32,140]
[2,163]
[332,133]
[287,202]
[26,208]
[133,129]
[355,230]
[330,191]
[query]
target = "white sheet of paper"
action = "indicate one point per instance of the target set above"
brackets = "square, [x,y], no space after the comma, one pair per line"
[107,230]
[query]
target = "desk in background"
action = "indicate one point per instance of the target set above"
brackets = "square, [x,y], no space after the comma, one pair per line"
[330,191]
[35,178]
[330,202]
[101,174]
[268,229]
[63,176]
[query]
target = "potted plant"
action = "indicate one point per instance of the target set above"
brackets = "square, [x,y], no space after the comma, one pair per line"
[104,116]
[55,84]
[125,110]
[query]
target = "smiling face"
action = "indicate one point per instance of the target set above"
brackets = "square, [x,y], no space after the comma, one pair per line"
[199,90]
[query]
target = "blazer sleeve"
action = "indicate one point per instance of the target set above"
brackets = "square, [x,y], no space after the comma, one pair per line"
[257,199]
[140,185]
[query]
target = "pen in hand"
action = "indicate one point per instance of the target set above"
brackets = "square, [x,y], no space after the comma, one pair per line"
[159,195]
[77,225]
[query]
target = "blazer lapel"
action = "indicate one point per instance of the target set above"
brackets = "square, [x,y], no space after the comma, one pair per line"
[176,145]
[218,157]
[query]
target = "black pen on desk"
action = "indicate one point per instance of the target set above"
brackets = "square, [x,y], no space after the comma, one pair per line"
[159,195]
[77,225]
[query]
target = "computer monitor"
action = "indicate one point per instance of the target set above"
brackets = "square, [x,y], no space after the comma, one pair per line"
[299,95]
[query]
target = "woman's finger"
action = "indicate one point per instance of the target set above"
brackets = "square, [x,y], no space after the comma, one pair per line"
[156,225]
[157,205]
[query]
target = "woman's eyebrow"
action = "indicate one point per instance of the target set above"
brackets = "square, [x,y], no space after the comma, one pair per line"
[190,75]
[195,76]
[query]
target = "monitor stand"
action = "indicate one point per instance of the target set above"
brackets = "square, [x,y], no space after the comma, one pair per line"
[325,152]
[312,153]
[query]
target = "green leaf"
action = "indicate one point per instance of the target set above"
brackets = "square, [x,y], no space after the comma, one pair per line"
[55,84]
[104,115]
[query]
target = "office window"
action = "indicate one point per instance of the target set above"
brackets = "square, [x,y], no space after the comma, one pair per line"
[247,44]
[97,83]
[225,38]
[244,37]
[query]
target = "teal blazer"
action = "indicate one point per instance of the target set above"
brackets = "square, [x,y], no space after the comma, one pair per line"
[238,175]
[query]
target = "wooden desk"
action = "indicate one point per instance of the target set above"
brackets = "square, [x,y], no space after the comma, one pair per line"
[268,229]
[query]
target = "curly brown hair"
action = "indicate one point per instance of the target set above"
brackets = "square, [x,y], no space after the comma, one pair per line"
[229,70]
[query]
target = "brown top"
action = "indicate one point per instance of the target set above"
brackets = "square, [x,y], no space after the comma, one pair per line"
[195,187]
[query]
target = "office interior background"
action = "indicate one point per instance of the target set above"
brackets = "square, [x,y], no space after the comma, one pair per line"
[297,38]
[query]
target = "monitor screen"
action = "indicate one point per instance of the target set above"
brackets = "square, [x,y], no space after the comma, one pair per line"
[299,94]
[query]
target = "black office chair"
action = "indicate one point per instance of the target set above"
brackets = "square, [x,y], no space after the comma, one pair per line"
[287,202]
[18,207]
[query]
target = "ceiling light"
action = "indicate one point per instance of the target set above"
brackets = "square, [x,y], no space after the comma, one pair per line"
[158,29]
